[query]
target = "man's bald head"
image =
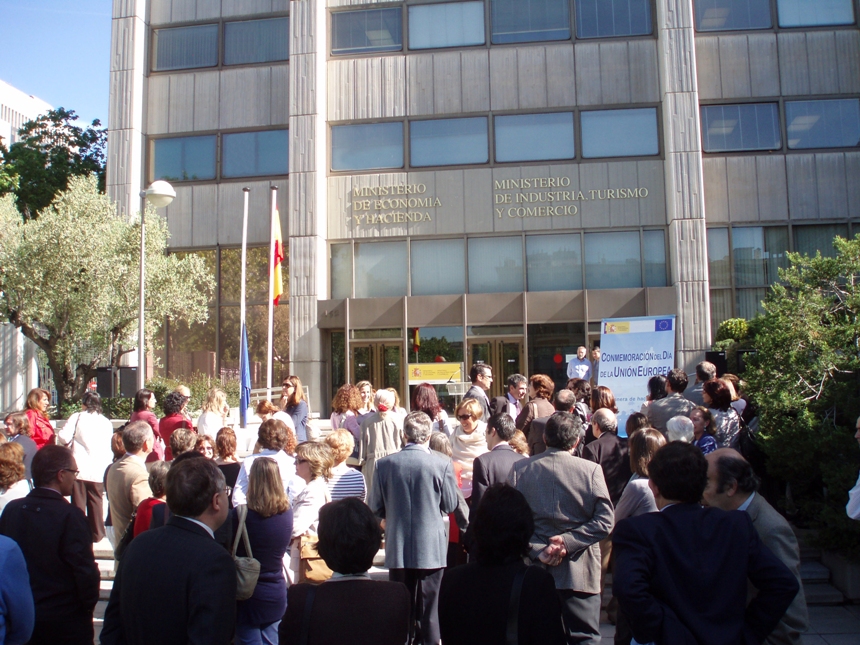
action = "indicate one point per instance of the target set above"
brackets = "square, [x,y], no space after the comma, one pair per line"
[731,479]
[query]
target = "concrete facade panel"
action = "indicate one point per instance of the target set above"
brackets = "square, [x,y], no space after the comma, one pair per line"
[793,63]
[614,73]
[475,77]
[708,67]
[823,68]
[743,189]
[504,92]
[179,218]
[688,250]
[587,63]
[204,205]
[694,321]
[848,60]
[735,67]
[302,130]
[763,65]
[279,110]
[716,189]
[678,62]
[560,75]
[451,216]
[681,116]
[595,213]
[419,84]
[207,99]
[674,14]
[772,188]
[832,188]
[302,28]
[532,77]
[247,97]
[684,196]
[852,170]
[302,94]
[624,212]
[644,77]
[478,212]
[180,103]
[802,186]
[652,211]
[447,83]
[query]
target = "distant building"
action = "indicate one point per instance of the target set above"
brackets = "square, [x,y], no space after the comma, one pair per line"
[18,368]
[499,175]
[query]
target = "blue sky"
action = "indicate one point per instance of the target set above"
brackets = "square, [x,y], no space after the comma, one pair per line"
[59,51]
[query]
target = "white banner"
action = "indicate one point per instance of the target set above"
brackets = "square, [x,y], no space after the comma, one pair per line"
[632,350]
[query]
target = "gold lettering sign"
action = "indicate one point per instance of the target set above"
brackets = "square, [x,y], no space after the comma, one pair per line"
[398,204]
[528,195]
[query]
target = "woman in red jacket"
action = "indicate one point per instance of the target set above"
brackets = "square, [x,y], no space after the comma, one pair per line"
[41,431]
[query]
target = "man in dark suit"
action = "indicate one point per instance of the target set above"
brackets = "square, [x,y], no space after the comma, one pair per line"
[681,574]
[57,545]
[564,401]
[673,404]
[175,585]
[572,513]
[481,376]
[494,467]
[610,451]
[705,371]
[732,486]
[413,490]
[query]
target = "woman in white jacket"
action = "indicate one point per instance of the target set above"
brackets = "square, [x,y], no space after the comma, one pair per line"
[88,434]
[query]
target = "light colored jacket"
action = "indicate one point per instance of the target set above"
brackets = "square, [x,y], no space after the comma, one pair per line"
[127,486]
[568,497]
[92,433]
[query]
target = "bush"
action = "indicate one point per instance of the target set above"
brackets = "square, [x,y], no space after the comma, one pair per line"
[199,384]
[733,329]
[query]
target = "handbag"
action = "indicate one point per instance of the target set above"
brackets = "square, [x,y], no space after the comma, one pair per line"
[126,538]
[247,568]
[312,568]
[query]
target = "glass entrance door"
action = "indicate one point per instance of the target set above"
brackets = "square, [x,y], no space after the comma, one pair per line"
[379,362]
[504,355]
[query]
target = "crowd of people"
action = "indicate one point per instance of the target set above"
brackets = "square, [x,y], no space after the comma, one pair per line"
[500,521]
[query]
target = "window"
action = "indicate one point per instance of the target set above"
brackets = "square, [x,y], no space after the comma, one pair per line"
[256,41]
[364,32]
[341,271]
[654,247]
[612,260]
[367,147]
[446,25]
[758,252]
[438,267]
[619,133]
[604,18]
[380,269]
[753,126]
[719,263]
[495,264]
[726,15]
[185,47]
[823,124]
[554,262]
[446,142]
[811,13]
[529,137]
[184,158]
[811,239]
[250,154]
[525,21]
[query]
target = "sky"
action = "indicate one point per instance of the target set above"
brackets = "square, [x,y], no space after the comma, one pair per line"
[59,51]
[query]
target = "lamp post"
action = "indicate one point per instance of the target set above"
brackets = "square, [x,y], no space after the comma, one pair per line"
[159,194]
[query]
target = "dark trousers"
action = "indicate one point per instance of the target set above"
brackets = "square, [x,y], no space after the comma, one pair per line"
[88,497]
[580,613]
[423,586]
[72,630]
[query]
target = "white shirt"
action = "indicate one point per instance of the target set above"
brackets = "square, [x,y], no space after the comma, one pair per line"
[91,448]
[853,505]
[280,415]
[199,523]
[293,484]
[579,368]
[209,423]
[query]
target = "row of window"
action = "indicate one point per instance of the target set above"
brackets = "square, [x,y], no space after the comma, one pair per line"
[756,126]
[743,261]
[520,137]
[243,154]
[245,42]
[568,262]
[730,15]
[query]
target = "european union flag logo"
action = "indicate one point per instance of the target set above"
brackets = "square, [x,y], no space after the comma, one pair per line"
[663,324]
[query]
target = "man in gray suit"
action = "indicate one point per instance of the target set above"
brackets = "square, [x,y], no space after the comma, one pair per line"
[732,486]
[705,372]
[413,490]
[481,376]
[673,404]
[572,513]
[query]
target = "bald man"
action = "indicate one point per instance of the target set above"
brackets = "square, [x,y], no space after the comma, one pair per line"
[732,487]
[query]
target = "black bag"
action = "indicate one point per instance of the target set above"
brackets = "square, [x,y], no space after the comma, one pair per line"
[750,449]
[126,538]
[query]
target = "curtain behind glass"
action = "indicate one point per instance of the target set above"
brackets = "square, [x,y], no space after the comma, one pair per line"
[361,32]
[495,264]
[758,253]
[184,158]
[256,41]
[185,47]
[654,246]
[732,15]
[752,126]
[823,124]
[438,267]
[719,267]
[749,301]
[380,269]
[811,239]
[606,18]
[521,21]
[249,154]
[554,262]
[612,260]
[721,308]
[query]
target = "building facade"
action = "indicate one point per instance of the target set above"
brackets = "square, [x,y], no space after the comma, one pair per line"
[485,179]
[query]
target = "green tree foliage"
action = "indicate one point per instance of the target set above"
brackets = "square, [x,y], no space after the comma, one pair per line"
[805,378]
[52,149]
[69,282]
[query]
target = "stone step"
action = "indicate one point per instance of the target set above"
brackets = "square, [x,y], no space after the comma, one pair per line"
[809,553]
[105,587]
[102,553]
[814,572]
[822,593]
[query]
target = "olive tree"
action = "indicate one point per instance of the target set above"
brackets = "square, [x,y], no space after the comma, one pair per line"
[69,282]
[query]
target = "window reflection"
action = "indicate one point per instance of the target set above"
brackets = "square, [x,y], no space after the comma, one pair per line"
[823,124]
[362,32]
[726,15]
[529,137]
[605,18]
[185,47]
[446,142]
[495,264]
[256,41]
[380,269]
[521,21]
[740,127]
[367,147]
[806,13]
[612,260]
[457,24]
[249,154]
[438,267]
[619,133]
[554,262]
[184,158]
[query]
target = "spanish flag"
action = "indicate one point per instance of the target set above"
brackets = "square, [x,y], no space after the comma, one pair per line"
[277,257]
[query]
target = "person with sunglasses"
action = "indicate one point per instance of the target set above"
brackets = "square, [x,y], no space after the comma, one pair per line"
[57,545]
[468,441]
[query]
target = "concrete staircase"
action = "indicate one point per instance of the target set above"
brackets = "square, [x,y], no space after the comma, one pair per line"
[816,579]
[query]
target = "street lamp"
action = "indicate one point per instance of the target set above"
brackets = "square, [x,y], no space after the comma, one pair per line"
[159,194]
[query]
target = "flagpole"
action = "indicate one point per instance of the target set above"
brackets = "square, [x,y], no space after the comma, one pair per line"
[271,324]
[242,334]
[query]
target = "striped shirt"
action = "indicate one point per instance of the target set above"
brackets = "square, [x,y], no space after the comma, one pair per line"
[346,482]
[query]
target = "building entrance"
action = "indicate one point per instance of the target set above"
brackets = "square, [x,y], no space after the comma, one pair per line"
[380,362]
[504,355]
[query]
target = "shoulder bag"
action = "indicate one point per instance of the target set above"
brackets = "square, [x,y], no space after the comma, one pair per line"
[126,538]
[312,568]
[247,568]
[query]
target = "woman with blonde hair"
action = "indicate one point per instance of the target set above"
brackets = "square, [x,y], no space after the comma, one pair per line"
[269,524]
[12,482]
[365,390]
[468,441]
[314,461]
[294,403]
[344,481]
[18,431]
[214,412]
[381,435]
[38,402]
